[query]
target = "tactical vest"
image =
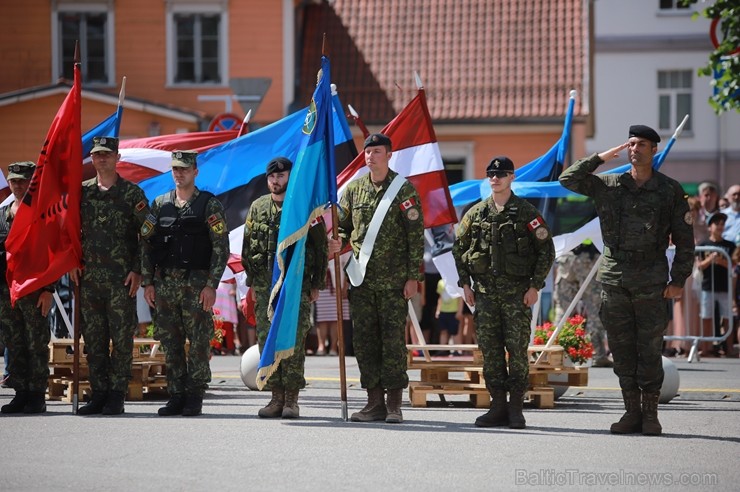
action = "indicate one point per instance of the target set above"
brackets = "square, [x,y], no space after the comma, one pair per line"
[501,244]
[4,231]
[181,238]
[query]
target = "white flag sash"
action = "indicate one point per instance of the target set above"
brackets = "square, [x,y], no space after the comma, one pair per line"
[356,267]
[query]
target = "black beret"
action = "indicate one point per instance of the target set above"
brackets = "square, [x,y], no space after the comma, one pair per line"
[500,163]
[377,139]
[278,165]
[645,132]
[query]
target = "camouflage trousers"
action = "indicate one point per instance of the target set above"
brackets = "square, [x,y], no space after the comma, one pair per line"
[290,372]
[502,323]
[379,336]
[26,334]
[564,292]
[179,316]
[636,319]
[108,316]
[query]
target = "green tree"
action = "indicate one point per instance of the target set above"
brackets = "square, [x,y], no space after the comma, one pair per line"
[725,59]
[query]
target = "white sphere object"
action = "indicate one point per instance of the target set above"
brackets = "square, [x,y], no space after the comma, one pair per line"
[671,381]
[249,364]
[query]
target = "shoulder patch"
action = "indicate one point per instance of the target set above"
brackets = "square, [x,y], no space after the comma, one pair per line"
[213,219]
[407,204]
[688,218]
[542,233]
[318,220]
[141,205]
[534,224]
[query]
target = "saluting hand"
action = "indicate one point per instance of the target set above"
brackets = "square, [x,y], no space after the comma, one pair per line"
[207,298]
[613,152]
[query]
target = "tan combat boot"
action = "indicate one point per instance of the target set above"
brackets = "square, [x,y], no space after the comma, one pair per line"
[497,415]
[395,399]
[631,421]
[650,424]
[274,409]
[290,409]
[375,408]
[516,417]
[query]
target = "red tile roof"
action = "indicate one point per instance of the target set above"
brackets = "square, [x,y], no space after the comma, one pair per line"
[479,60]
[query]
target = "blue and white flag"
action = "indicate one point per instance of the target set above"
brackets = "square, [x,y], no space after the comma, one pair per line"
[312,186]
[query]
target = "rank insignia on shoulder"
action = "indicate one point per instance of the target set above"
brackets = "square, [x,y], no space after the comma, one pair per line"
[534,224]
[141,206]
[407,204]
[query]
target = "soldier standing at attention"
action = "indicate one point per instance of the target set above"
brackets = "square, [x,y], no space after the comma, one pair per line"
[188,246]
[258,256]
[641,212]
[506,248]
[25,328]
[380,216]
[112,211]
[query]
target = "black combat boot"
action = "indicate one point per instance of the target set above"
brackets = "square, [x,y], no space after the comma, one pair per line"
[114,403]
[193,406]
[631,421]
[17,403]
[395,399]
[95,405]
[498,414]
[375,408]
[516,417]
[36,402]
[274,408]
[291,409]
[174,406]
[650,423]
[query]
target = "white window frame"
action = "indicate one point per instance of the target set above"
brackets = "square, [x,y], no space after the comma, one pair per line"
[84,6]
[197,7]
[672,93]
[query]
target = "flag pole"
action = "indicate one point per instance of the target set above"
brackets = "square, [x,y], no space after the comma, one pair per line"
[338,296]
[76,321]
[356,118]
[244,129]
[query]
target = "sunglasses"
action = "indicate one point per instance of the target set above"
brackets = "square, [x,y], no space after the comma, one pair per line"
[498,174]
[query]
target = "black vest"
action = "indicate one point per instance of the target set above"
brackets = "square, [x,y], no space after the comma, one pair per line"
[181,238]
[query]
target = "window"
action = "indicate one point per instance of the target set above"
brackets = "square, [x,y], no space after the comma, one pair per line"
[672,4]
[674,98]
[92,26]
[196,43]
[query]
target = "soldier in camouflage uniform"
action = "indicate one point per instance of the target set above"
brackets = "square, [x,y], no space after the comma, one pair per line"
[572,269]
[187,248]
[379,303]
[641,212]
[25,329]
[506,248]
[112,212]
[258,254]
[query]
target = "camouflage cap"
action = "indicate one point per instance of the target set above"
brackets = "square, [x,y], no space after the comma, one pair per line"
[377,139]
[21,170]
[105,144]
[184,158]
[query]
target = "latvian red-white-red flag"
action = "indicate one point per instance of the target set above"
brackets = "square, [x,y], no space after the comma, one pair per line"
[44,239]
[415,156]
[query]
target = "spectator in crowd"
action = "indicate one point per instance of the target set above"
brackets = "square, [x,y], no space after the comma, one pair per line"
[708,195]
[732,211]
[447,314]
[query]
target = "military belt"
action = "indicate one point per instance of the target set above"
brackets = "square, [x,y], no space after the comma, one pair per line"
[631,256]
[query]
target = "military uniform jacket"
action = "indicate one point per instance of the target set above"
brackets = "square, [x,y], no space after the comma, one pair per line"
[637,224]
[111,221]
[5,221]
[217,232]
[399,247]
[260,244]
[514,244]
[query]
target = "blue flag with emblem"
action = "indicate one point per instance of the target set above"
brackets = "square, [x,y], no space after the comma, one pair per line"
[311,187]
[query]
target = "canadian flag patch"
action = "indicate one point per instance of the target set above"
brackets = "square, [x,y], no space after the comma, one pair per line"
[408,204]
[535,224]
[318,220]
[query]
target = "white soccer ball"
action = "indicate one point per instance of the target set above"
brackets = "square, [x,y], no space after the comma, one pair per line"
[671,381]
[249,364]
